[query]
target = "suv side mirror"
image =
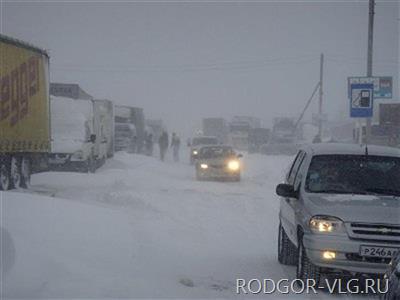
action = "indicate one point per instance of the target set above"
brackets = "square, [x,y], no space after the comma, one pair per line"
[92,138]
[286,191]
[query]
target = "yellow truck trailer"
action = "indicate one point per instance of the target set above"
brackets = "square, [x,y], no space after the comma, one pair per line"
[24,111]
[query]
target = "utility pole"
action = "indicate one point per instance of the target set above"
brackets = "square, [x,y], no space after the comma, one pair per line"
[321,93]
[369,57]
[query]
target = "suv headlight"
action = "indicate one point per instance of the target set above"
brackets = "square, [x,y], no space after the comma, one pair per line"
[326,224]
[195,152]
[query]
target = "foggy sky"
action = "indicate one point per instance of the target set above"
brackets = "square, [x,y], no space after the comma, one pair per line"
[185,61]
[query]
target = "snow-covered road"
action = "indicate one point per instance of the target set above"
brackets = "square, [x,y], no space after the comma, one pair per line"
[140,228]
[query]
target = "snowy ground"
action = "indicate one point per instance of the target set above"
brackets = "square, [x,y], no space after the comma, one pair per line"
[139,228]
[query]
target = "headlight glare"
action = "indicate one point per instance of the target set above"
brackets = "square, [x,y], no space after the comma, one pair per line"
[326,224]
[233,165]
[195,152]
[204,166]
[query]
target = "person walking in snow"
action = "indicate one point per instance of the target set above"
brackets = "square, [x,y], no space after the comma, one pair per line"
[175,144]
[163,144]
[149,144]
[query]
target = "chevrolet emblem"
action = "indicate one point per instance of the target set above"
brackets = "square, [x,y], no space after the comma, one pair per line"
[384,230]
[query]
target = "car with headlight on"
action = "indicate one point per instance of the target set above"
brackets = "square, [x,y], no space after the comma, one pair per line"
[197,143]
[340,210]
[218,163]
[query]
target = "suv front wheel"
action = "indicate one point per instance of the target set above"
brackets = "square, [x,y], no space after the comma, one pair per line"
[287,251]
[305,268]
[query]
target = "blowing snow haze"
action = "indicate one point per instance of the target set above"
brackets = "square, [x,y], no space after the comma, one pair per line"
[184,61]
[168,150]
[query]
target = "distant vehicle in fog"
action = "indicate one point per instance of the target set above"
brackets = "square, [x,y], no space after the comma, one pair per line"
[284,139]
[339,210]
[218,162]
[239,131]
[124,137]
[134,116]
[217,127]
[258,137]
[156,128]
[280,146]
[283,126]
[197,142]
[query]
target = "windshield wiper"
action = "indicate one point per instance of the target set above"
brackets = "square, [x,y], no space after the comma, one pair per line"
[380,191]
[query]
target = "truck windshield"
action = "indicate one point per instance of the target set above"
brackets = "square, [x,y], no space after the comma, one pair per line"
[354,174]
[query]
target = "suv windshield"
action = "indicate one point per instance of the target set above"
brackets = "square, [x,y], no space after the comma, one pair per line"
[205,141]
[216,152]
[356,174]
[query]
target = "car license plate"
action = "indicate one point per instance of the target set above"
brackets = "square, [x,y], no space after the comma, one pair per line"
[377,251]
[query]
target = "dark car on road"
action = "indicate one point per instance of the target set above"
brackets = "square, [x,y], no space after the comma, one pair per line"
[218,162]
[197,143]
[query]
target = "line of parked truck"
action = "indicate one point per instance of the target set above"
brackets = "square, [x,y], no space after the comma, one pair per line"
[56,126]
[245,133]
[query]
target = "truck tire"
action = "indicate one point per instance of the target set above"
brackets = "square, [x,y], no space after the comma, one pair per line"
[287,251]
[5,174]
[306,270]
[16,176]
[26,171]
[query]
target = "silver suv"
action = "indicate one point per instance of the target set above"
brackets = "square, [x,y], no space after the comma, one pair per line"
[340,210]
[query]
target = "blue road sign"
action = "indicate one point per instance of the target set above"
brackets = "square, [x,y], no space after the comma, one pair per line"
[362,100]
[383,85]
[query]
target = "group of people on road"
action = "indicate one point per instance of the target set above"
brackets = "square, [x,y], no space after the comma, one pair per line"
[147,145]
[163,143]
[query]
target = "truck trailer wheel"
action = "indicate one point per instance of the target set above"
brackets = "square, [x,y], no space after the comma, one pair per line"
[16,176]
[5,175]
[26,171]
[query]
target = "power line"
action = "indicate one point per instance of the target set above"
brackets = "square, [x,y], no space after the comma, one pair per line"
[224,66]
